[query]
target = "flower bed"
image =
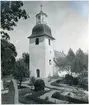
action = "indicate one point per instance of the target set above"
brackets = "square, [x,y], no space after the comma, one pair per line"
[57,95]
[27,96]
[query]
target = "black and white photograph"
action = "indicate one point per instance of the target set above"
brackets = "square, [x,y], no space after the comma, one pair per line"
[44,52]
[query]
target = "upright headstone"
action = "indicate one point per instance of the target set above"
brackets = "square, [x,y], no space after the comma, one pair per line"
[2,87]
[13,92]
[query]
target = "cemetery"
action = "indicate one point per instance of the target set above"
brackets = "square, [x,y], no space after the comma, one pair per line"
[43,75]
[49,94]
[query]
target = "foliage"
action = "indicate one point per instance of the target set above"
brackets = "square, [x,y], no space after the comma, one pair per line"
[69,79]
[32,98]
[55,84]
[25,57]
[83,59]
[32,80]
[35,98]
[11,12]
[75,80]
[20,71]
[74,62]
[58,95]
[8,54]
[62,62]
[83,80]
[80,62]
[5,35]
[5,84]
[39,85]
[58,81]
[70,56]
[46,98]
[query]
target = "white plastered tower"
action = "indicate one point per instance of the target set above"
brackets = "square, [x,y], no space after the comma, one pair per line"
[41,48]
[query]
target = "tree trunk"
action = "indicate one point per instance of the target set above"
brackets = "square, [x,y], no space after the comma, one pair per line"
[20,82]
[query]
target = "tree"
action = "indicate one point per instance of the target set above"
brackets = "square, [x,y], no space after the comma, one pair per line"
[70,58]
[76,66]
[85,61]
[25,57]
[8,54]
[39,85]
[11,12]
[20,71]
[80,62]
[63,64]
[83,58]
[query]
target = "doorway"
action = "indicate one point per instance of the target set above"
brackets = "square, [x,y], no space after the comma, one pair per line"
[38,72]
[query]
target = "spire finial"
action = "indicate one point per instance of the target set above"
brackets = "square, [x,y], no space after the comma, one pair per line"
[41,6]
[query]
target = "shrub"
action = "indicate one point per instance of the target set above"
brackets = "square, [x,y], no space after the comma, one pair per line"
[46,98]
[39,85]
[69,79]
[83,83]
[83,80]
[32,80]
[5,84]
[58,95]
[49,79]
[58,81]
[75,80]
[55,84]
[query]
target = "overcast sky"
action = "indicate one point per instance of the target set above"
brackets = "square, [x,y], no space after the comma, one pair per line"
[68,21]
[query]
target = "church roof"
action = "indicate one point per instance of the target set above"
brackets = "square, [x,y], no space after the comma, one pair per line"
[41,30]
[59,54]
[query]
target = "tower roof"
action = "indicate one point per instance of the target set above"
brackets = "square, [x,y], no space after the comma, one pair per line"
[41,12]
[41,30]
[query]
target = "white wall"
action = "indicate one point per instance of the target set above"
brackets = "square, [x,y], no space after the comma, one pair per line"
[37,56]
[40,56]
[49,55]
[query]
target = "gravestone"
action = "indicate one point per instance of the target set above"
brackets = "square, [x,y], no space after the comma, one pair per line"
[13,92]
[2,87]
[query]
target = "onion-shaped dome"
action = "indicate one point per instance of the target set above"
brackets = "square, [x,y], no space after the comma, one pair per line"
[40,30]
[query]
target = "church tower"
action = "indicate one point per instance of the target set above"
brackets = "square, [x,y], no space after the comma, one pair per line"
[41,48]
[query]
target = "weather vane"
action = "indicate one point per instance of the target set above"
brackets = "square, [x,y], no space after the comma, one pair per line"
[41,7]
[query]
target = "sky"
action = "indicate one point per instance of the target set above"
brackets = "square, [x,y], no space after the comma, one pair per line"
[68,21]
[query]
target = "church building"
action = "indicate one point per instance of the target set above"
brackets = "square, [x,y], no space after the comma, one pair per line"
[41,48]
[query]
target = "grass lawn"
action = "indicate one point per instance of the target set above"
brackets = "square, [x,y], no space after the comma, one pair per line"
[27,96]
[58,95]
[62,83]
[4,98]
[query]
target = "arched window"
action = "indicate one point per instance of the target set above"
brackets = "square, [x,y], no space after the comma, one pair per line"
[49,41]
[37,41]
[38,72]
[39,17]
[50,62]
